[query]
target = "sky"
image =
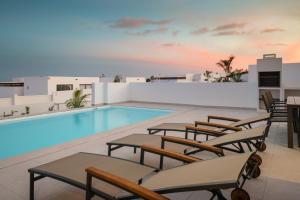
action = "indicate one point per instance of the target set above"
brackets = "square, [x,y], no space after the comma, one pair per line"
[142,37]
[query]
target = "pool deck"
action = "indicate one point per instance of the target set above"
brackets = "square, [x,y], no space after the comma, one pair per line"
[280,177]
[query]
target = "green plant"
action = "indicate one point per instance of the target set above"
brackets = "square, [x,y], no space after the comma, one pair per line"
[77,101]
[51,108]
[27,108]
[236,75]
[118,79]
[226,66]
[207,75]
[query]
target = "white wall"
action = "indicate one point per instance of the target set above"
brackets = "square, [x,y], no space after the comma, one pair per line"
[35,86]
[75,81]
[25,100]
[4,102]
[98,96]
[35,108]
[291,75]
[204,94]
[7,92]
[117,92]
[135,80]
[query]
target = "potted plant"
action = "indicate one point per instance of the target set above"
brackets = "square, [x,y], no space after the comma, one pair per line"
[27,108]
[77,101]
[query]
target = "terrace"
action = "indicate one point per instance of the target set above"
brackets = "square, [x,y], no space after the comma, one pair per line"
[280,178]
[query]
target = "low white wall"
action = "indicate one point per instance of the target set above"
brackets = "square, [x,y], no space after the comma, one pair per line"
[205,94]
[7,92]
[4,102]
[116,92]
[34,99]
[35,108]
[98,96]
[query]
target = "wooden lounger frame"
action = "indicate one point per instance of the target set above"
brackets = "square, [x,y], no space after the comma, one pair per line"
[223,127]
[256,143]
[120,182]
[35,175]
[137,190]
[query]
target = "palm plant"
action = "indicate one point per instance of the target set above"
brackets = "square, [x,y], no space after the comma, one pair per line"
[226,66]
[78,100]
[236,75]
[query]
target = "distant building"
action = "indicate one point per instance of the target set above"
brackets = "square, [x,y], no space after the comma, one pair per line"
[180,79]
[45,85]
[9,89]
[135,79]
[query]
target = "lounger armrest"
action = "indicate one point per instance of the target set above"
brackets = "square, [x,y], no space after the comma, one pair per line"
[194,144]
[205,131]
[168,153]
[122,183]
[217,125]
[209,117]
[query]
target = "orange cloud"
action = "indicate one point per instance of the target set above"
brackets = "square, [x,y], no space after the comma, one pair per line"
[129,22]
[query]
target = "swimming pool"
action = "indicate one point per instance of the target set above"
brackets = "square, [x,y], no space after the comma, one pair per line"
[25,135]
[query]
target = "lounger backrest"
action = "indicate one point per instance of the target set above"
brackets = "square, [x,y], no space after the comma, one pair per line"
[241,136]
[266,101]
[251,120]
[269,96]
[222,172]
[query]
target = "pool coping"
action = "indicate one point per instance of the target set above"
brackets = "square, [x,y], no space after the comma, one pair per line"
[8,162]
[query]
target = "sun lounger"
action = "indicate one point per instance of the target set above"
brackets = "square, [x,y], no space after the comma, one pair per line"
[235,124]
[115,178]
[253,138]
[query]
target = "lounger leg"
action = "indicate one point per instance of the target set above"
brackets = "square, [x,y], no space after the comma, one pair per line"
[161,162]
[88,194]
[31,185]
[241,148]
[109,150]
[217,193]
[249,147]
[142,158]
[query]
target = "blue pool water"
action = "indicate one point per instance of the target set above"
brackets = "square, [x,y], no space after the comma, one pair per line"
[22,136]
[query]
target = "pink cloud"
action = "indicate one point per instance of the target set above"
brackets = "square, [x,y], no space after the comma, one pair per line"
[271,30]
[129,22]
[276,44]
[175,33]
[230,26]
[200,31]
[170,44]
[226,33]
[150,31]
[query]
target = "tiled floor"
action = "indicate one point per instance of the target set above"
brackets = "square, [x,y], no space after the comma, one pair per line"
[280,177]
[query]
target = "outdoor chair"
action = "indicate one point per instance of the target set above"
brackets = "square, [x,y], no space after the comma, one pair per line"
[235,125]
[253,138]
[115,178]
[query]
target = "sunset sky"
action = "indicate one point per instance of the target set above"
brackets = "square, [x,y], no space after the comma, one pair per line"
[142,37]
